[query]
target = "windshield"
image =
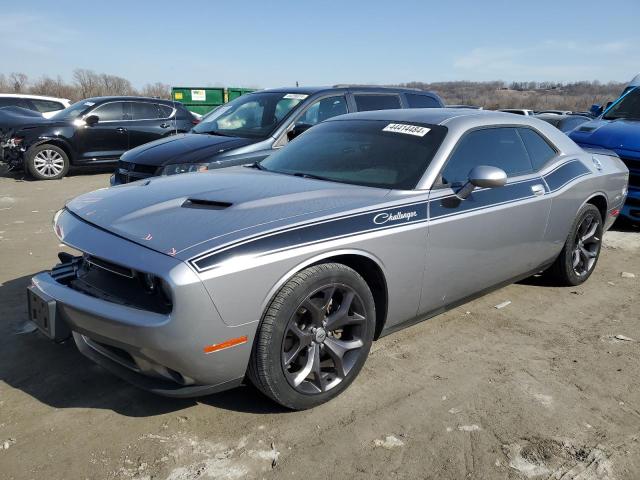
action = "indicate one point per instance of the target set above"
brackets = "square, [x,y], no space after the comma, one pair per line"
[254,115]
[627,107]
[73,111]
[372,153]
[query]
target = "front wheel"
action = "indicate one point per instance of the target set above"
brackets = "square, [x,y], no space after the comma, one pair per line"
[314,337]
[47,162]
[581,251]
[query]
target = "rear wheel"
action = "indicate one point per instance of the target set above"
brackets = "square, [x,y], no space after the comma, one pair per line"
[315,336]
[47,162]
[580,253]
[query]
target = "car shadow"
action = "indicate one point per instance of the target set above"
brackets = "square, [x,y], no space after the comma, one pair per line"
[23,176]
[542,280]
[59,376]
[624,225]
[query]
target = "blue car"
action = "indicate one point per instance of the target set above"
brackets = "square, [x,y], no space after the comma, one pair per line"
[618,129]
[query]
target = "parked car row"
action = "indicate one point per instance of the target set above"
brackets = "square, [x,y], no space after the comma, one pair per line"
[98,131]
[95,131]
[254,125]
[144,137]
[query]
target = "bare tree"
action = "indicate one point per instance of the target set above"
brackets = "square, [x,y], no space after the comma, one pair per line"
[18,81]
[156,90]
[53,88]
[87,82]
[4,83]
[114,85]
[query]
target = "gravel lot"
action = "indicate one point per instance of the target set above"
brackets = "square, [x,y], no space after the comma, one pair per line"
[546,387]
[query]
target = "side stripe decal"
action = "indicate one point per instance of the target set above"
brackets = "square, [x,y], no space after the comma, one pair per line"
[380,219]
[389,217]
[565,173]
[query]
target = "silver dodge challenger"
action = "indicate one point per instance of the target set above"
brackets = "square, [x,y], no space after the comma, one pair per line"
[285,271]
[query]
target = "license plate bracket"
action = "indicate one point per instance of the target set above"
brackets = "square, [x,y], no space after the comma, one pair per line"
[42,312]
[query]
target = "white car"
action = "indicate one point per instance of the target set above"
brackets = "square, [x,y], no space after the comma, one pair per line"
[47,106]
[518,111]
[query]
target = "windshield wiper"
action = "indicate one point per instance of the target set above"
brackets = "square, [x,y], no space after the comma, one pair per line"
[217,132]
[258,166]
[311,176]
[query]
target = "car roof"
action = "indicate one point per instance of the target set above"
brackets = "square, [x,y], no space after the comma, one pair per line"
[556,116]
[433,116]
[360,88]
[463,119]
[129,98]
[35,97]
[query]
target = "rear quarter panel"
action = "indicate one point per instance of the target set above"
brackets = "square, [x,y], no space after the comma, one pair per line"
[608,182]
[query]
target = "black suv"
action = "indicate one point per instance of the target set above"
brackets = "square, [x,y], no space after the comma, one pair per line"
[90,132]
[250,127]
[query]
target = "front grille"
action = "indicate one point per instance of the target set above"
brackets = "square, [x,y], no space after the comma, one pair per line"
[114,283]
[130,172]
[633,164]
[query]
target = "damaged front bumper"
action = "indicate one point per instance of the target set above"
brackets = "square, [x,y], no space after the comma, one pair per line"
[11,154]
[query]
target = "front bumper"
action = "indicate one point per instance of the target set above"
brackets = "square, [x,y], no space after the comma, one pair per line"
[12,156]
[160,353]
[165,353]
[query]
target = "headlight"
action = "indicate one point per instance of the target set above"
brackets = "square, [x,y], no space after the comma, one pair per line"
[14,142]
[185,168]
[57,229]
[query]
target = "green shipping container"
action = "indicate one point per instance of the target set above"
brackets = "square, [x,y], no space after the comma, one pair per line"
[204,99]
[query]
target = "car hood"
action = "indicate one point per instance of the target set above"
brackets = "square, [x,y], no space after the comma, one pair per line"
[183,148]
[16,118]
[610,134]
[184,215]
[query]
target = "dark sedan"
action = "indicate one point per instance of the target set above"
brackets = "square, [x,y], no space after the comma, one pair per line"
[95,131]
[255,125]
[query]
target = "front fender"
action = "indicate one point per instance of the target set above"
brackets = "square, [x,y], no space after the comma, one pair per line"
[58,142]
[317,259]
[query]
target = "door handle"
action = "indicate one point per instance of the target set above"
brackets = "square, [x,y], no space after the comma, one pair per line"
[537,189]
[121,130]
[165,125]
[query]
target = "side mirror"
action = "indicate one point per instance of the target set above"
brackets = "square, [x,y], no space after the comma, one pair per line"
[297,130]
[595,110]
[91,120]
[482,176]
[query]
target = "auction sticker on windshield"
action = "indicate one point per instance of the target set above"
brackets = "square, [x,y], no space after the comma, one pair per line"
[416,130]
[295,96]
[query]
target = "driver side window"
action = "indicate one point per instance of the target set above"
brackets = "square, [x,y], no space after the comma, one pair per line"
[109,112]
[323,109]
[496,147]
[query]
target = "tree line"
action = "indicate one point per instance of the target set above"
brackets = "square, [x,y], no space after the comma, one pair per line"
[575,96]
[85,84]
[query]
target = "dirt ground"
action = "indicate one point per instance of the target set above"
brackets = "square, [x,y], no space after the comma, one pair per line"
[546,387]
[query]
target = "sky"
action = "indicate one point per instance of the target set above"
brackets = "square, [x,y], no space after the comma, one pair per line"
[276,43]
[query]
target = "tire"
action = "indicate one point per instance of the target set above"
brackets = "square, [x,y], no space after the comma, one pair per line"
[303,356]
[47,162]
[581,251]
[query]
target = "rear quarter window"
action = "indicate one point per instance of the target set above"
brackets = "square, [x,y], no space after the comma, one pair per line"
[165,111]
[539,150]
[421,101]
[365,103]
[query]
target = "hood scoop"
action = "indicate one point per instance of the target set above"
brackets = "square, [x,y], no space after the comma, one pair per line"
[204,204]
[586,129]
